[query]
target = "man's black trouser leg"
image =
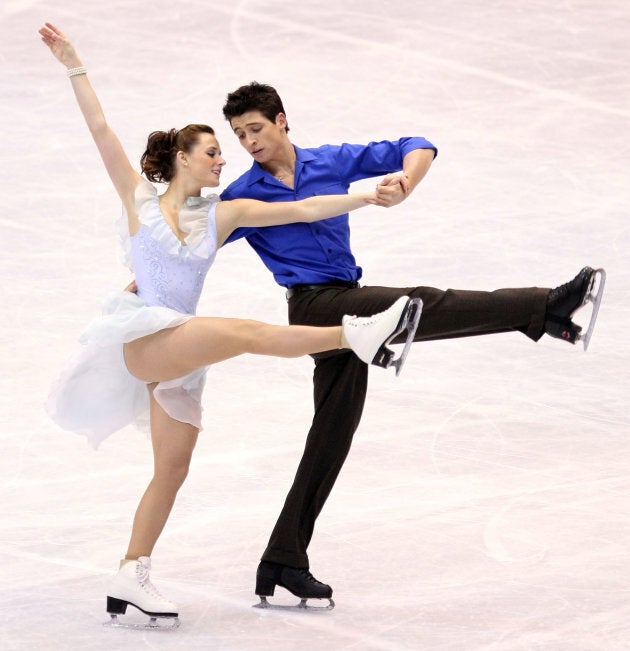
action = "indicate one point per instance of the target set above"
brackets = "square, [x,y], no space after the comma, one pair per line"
[340,384]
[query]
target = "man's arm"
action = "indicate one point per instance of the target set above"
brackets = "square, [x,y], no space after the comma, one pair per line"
[395,188]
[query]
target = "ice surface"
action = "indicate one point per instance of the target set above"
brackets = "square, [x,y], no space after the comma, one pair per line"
[485,502]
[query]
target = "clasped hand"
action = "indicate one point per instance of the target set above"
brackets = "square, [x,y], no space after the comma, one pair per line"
[392,190]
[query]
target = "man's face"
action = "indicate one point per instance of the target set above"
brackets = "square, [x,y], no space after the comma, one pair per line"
[263,139]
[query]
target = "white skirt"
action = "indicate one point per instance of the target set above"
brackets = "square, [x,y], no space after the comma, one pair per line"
[96,395]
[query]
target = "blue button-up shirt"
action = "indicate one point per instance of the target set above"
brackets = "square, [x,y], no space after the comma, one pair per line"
[318,252]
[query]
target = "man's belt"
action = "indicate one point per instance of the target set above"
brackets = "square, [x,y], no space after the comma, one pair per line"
[297,289]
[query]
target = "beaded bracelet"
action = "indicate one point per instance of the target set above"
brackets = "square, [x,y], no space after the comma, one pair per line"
[73,72]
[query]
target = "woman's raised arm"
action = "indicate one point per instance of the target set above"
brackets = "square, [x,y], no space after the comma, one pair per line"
[120,170]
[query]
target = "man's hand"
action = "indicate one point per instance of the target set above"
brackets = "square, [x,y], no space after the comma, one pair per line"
[392,190]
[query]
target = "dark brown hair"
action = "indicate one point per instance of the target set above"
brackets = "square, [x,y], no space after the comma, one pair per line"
[254,97]
[158,161]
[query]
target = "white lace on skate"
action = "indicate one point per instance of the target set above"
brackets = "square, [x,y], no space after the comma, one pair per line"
[142,570]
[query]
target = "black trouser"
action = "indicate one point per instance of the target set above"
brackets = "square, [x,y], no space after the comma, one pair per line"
[340,381]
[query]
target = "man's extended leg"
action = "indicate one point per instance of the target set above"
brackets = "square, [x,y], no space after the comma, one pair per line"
[446,314]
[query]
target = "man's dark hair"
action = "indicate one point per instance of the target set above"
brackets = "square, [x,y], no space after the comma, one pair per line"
[254,97]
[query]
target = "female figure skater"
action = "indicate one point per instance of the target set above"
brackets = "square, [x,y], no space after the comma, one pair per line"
[148,351]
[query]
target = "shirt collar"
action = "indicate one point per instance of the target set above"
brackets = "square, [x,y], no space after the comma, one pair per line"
[257,173]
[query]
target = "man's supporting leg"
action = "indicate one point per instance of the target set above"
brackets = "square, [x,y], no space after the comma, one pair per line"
[340,385]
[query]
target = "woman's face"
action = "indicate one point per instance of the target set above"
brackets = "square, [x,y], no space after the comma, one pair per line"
[204,161]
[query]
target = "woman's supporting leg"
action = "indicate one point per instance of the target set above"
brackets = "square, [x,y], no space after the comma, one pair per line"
[202,341]
[173,444]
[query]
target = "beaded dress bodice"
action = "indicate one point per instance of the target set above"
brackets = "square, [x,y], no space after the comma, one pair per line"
[170,273]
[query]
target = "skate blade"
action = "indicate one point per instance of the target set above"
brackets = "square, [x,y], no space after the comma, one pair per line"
[594,296]
[301,607]
[408,321]
[154,623]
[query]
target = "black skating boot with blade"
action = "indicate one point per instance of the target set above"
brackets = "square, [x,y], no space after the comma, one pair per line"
[563,301]
[298,581]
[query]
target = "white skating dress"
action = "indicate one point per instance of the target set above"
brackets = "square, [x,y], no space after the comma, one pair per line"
[95,394]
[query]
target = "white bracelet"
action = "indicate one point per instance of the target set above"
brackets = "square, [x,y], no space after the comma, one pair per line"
[73,72]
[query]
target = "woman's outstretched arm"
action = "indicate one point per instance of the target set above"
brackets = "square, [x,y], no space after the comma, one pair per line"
[120,170]
[250,212]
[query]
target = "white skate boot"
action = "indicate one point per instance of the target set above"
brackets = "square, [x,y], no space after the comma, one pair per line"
[132,587]
[368,336]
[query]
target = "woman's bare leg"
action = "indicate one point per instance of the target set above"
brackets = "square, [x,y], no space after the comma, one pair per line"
[173,444]
[174,352]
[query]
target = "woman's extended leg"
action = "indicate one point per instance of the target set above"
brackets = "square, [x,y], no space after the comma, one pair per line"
[173,444]
[174,352]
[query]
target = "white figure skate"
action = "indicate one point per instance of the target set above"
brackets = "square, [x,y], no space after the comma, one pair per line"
[368,336]
[132,587]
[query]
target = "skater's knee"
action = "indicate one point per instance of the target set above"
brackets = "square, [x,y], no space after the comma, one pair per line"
[250,334]
[172,474]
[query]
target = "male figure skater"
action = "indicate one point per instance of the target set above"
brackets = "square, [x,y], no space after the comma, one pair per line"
[315,264]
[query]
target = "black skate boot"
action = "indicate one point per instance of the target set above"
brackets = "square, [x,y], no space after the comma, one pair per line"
[563,301]
[298,581]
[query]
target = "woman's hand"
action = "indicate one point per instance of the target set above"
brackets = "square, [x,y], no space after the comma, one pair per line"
[373,199]
[59,44]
